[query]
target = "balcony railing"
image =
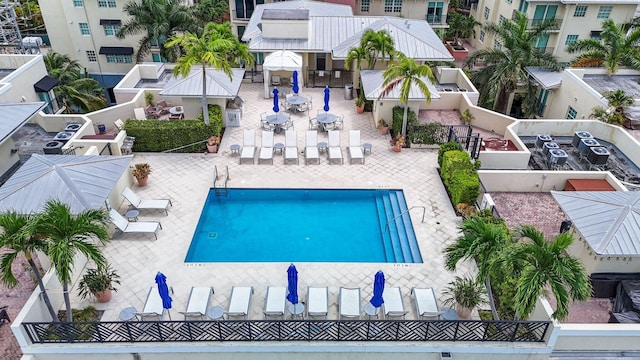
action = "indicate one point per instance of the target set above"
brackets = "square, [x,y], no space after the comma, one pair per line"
[545,50]
[242,14]
[557,23]
[287,330]
[434,19]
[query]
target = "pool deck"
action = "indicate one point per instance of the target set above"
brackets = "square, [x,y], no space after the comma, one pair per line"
[187,178]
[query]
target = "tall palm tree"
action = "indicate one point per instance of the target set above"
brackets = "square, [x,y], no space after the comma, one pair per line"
[157,20]
[206,11]
[504,68]
[355,56]
[618,47]
[68,234]
[405,74]
[378,45]
[17,238]
[540,264]
[218,47]
[75,90]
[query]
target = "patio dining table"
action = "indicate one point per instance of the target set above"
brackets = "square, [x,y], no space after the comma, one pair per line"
[326,118]
[295,100]
[277,119]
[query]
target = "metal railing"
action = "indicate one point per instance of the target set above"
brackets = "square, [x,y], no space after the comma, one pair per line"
[185,146]
[424,210]
[287,330]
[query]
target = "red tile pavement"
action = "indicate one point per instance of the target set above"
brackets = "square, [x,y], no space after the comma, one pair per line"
[15,298]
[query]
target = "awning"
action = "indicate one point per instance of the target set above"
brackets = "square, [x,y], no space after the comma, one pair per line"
[45,84]
[116,50]
[596,33]
[110,22]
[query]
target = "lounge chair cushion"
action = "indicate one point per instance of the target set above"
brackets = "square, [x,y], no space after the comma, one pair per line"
[133,227]
[393,305]
[145,204]
[239,301]
[350,302]
[275,301]
[198,301]
[317,301]
[426,304]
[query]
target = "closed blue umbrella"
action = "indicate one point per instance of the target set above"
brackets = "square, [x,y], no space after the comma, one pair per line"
[295,82]
[292,277]
[378,288]
[163,290]
[326,98]
[275,100]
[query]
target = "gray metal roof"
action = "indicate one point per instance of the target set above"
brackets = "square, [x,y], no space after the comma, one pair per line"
[16,115]
[548,79]
[609,221]
[337,34]
[82,182]
[372,81]
[218,84]
[316,8]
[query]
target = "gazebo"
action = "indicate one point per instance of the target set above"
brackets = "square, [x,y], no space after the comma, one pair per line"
[278,61]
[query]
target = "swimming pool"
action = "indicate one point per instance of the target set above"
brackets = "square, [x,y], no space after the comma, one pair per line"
[300,225]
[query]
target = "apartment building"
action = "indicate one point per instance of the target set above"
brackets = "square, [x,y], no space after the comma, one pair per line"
[575,20]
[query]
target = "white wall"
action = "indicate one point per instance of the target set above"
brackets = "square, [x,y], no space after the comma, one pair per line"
[538,181]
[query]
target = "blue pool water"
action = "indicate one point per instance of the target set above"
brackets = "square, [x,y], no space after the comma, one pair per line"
[294,225]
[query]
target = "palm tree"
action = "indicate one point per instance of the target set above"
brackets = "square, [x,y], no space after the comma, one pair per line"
[158,20]
[618,47]
[355,57]
[68,234]
[540,264]
[206,11]
[217,47]
[75,91]
[406,73]
[378,45]
[618,100]
[17,238]
[505,67]
[461,26]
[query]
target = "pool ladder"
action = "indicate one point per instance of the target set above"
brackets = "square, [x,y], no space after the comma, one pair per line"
[220,191]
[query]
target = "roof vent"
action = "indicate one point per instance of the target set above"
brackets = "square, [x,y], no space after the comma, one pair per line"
[463,90]
[598,155]
[549,146]
[579,135]
[448,90]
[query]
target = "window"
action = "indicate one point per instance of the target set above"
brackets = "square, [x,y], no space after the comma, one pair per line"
[595,35]
[434,12]
[77,3]
[502,19]
[544,12]
[364,5]
[84,29]
[107,3]
[604,12]
[258,58]
[497,45]
[158,58]
[486,13]
[119,59]
[509,1]
[581,10]
[111,30]
[392,6]
[91,56]
[571,39]
[482,36]
[571,113]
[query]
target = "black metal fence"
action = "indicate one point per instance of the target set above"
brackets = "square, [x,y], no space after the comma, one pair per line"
[287,330]
[463,135]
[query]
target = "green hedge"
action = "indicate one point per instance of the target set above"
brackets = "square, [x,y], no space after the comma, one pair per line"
[459,177]
[396,124]
[160,135]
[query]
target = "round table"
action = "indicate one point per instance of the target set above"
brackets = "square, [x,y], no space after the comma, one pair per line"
[128,313]
[326,118]
[296,309]
[371,310]
[295,100]
[235,149]
[449,313]
[215,312]
[278,147]
[366,147]
[132,215]
[322,147]
[277,118]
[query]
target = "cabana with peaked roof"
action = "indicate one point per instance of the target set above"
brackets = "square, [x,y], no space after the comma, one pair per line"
[606,225]
[281,60]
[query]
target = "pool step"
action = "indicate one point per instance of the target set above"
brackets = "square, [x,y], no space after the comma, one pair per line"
[392,230]
[411,235]
[396,225]
[386,238]
[221,191]
[399,213]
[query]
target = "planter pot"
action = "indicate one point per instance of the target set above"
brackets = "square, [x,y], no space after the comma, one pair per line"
[397,148]
[457,51]
[463,312]
[212,148]
[360,109]
[102,128]
[142,181]
[384,130]
[103,296]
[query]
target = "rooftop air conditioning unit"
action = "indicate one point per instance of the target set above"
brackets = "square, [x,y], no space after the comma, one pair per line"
[448,90]
[542,139]
[463,90]
[558,157]
[487,202]
[598,155]
[585,144]
[549,146]
[72,128]
[63,136]
[579,135]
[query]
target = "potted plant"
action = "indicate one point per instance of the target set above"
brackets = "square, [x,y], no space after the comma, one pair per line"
[460,27]
[397,142]
[359,105]
[383,126]
[98,282]
[465,294]
[467,116]
[149,99]
[212,144]
[141,173]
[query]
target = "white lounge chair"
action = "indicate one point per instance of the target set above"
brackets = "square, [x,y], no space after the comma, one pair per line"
[266,147]
[393,305]
[248,146]
[146,204]
[240,301]
[291,146]
[133,227]
[153,305]
[349,303]
[311,147]
[426,304]
[355,148]
[275,301]
[317,301]
[198,302]
[334,151]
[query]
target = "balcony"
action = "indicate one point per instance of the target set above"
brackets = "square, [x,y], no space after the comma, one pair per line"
[545,50]
[242,14]
[557,23]
[435,19]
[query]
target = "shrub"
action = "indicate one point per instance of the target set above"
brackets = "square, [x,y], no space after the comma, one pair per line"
[396,122]
[459,177]
[452,145]
[215,119]
[428,134]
